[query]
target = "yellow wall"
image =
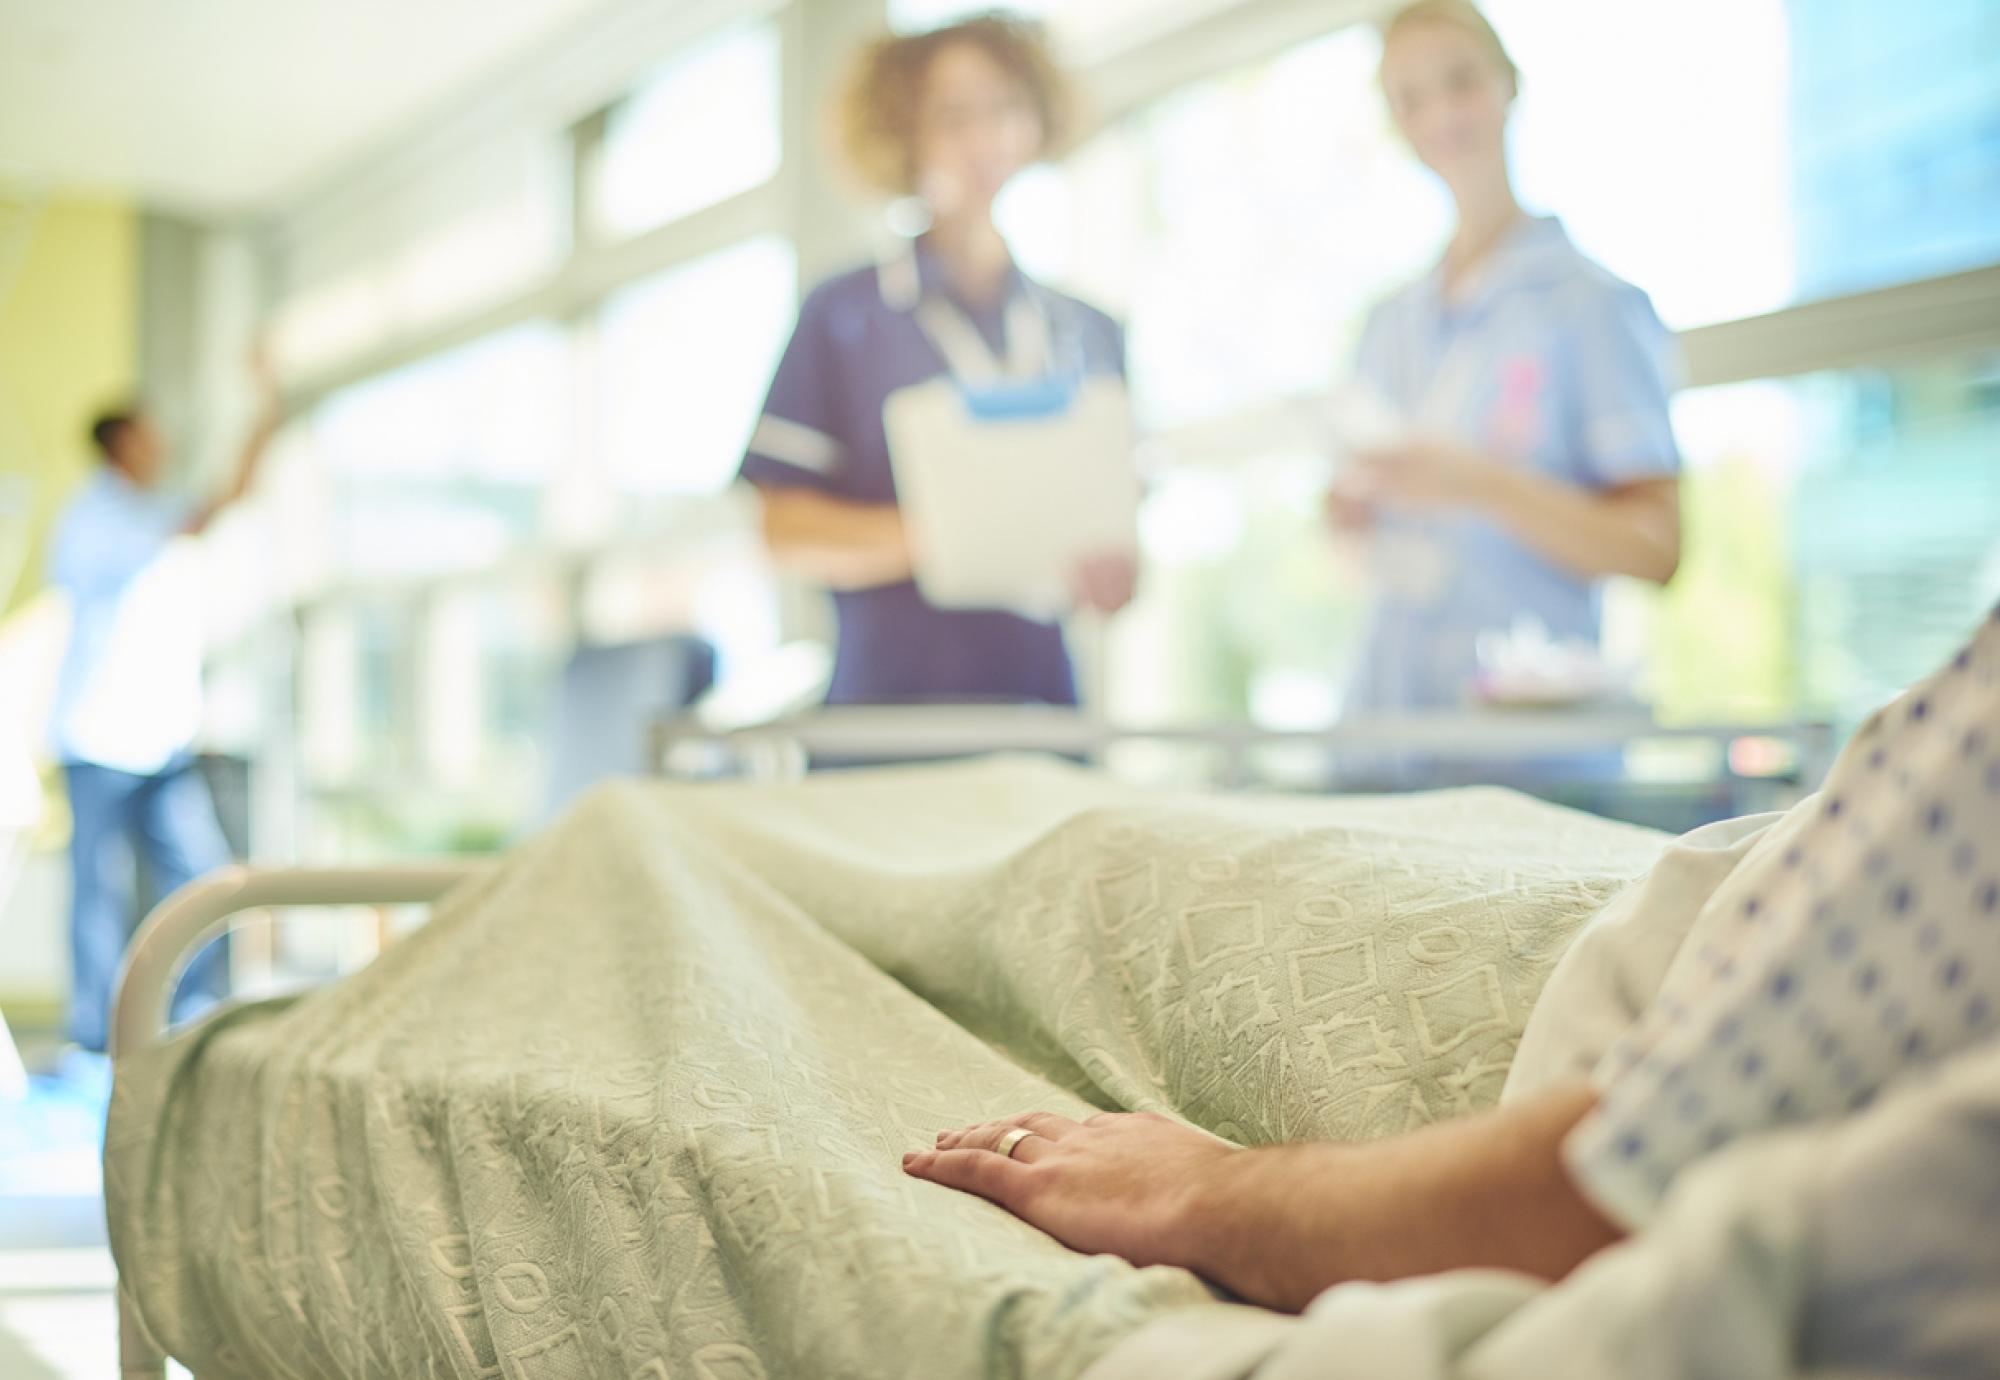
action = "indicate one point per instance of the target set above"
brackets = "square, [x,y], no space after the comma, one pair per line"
[69,341]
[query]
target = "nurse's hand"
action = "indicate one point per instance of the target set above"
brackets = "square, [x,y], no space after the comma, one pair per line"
[1105,583]
[1426,472]
[1349,509]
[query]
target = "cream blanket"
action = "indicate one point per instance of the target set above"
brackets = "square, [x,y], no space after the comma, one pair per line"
[633,1105]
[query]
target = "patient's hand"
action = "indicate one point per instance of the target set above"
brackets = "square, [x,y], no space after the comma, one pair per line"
[1120,1182]
[1278,1224]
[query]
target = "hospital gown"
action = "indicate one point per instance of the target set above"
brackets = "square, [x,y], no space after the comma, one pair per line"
[1862,943]
[1862,1247]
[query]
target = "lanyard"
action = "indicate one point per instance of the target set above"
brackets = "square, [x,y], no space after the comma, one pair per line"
[970,360]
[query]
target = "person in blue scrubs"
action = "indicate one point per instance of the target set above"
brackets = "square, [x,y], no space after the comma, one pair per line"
[1539,458]
[948,117]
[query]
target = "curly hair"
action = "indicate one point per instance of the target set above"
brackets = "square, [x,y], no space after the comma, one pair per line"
[877,106]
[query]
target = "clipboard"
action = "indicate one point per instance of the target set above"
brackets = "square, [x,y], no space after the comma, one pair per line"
[1005,488]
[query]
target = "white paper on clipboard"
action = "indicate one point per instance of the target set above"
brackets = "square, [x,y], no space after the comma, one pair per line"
[1005,490]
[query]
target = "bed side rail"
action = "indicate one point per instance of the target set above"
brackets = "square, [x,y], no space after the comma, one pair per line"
[192,916]
[199,911]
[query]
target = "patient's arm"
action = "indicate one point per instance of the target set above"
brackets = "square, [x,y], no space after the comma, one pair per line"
[1277,1225]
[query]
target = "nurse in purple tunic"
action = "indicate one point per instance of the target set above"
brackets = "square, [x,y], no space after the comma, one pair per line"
[948,117]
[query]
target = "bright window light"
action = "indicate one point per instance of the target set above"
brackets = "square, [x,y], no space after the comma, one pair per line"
[335,321]
[468,263]
[1843,532]
[702,130]
[1675,171]
[686,358]
[1242,227]
[442,464]
[464,239]
[495,409]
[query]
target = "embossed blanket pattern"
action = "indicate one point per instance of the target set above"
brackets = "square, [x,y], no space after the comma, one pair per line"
[632,1105]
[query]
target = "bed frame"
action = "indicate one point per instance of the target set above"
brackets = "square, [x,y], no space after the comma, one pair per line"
[197,913]
[201,910]
[685,744]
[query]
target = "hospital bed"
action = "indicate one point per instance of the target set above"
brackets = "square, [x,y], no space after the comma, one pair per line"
[636,1091]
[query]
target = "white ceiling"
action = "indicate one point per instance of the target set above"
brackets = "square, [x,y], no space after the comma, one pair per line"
[219,108]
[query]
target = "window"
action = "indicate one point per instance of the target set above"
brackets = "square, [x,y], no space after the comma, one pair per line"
[442,463]
[490,659]
[333,321]
[1660,136]
[1897,163]
[686,358]
[1246,222]
[467,263]
[1242,225]
[1724,192]
[355,674]
[701,131]
[421,522]
[421,253]
[1844,533]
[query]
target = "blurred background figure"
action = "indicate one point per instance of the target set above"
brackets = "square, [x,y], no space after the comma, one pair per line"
[1534,385]
[128,705]
[946,120]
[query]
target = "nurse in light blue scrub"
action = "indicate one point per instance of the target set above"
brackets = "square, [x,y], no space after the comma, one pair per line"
[1539,458]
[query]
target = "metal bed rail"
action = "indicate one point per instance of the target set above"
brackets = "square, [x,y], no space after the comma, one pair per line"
[197,913]
[785,746]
